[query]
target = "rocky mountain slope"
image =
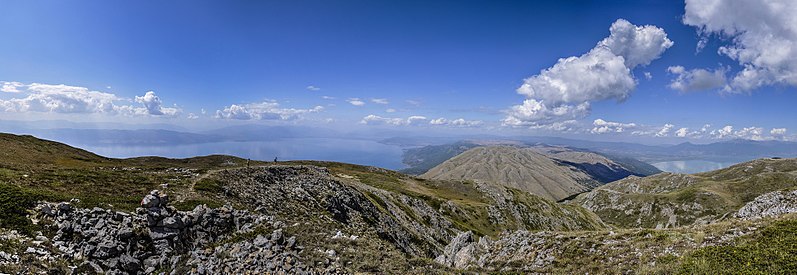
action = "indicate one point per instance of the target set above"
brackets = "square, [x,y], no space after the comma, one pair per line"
[84,214]
[345,217]
[671,200]
[551,172]
[734,247]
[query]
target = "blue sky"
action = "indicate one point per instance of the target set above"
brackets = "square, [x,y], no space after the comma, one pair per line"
[410,63]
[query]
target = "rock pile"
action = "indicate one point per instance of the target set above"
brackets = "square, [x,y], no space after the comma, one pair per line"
[156,236]
[769,205]
[266,254]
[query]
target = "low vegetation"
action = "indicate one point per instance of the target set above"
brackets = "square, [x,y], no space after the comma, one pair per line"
[772,250]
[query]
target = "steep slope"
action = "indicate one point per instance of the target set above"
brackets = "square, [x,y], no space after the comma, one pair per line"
[521,168]
[599,167]
[669,200]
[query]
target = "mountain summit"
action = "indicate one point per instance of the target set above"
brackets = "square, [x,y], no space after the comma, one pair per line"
[551,172]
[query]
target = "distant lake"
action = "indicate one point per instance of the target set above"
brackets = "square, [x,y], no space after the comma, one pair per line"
[364,152]
[691,166]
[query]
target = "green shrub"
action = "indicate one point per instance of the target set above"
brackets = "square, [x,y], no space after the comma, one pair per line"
[209,185]
[189,205]
[773,250]
[14,204]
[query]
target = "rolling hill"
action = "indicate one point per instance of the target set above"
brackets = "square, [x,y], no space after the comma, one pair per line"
[551,172]
[672,200]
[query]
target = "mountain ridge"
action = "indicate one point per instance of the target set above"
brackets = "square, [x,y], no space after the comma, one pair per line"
[552,172]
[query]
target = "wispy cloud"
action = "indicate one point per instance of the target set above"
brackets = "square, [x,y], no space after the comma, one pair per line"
[380,100]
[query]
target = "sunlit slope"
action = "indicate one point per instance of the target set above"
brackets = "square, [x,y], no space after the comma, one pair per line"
[669,200]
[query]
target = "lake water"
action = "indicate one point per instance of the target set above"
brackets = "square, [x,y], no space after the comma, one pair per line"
[691,166]
[364,152]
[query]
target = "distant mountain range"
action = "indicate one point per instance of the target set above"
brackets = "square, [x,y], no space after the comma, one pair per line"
[423,158]
[159,137]
[422,153]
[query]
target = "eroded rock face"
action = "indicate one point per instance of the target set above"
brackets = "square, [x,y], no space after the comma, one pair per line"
[455,253]
[158,237]
[306,192]
[769,205]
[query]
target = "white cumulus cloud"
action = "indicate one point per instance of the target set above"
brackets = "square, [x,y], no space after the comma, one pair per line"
[267,110]
[566,89]
[378,120]
[560,126]
[65,99]
[312,88]
[61,99]
[778,131]
[754,133]
[682,132]
[665,130]
[11,87]
[601,126]
[536,113]
[460,122]
[762,37]
[356,101]
[154,105]
[723,132]
[49,98]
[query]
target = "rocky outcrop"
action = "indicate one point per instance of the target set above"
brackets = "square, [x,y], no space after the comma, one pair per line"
[669,200]
[274,253]
[652,210]
[769,205]
[158,237]
[298,193]
[531,212]
[592,252]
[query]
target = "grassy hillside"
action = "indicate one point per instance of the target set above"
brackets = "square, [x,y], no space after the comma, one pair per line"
[398,214]
[668,200]
[34,169]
